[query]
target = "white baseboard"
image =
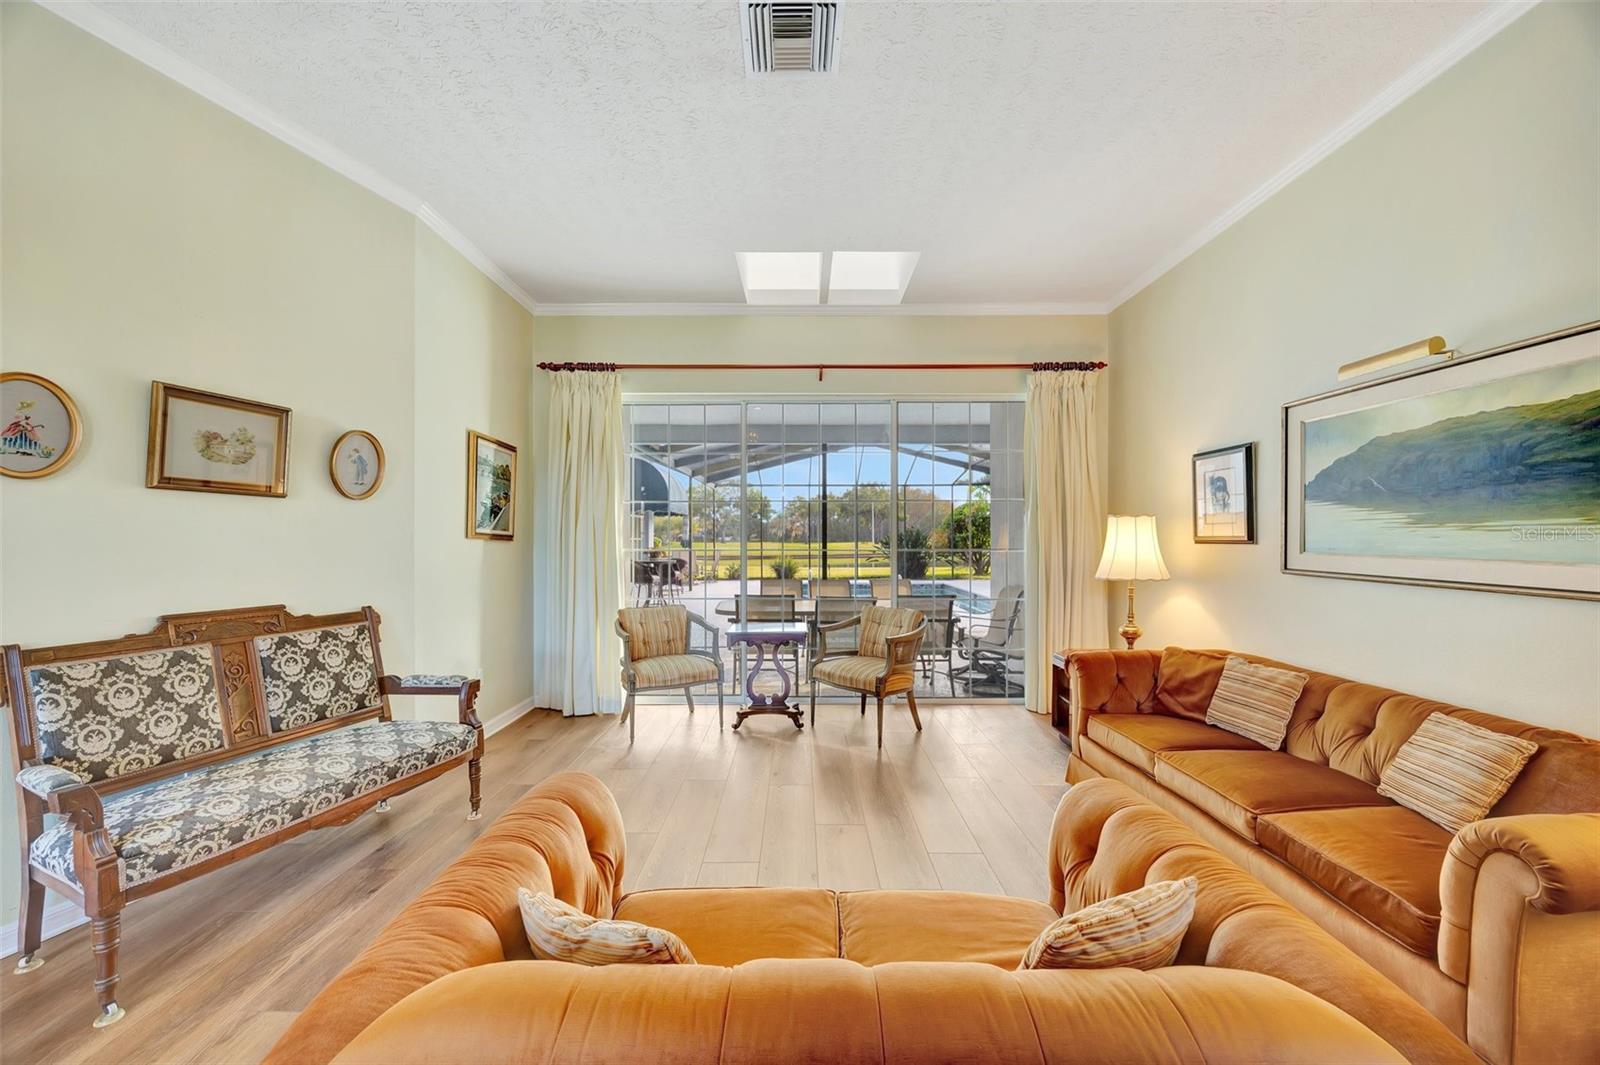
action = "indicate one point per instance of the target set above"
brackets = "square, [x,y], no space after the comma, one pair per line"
[59,916]
[64,913]
[506,717]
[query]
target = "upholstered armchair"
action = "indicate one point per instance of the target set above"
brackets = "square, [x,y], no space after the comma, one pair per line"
[656,656]
[882,664]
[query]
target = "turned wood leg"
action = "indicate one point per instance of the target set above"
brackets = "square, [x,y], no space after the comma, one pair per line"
[719,704]
[688,694]
[863,704]
[813,702]
[105,936]
[474,786]
[627,714]
[880,721]
[30,924]
[911,701]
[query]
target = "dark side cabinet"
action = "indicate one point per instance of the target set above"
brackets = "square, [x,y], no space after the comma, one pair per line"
[1060,697]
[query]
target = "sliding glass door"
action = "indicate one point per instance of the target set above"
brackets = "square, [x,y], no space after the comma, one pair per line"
[808,511]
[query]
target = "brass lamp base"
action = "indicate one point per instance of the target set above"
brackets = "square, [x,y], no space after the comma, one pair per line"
[1130,630]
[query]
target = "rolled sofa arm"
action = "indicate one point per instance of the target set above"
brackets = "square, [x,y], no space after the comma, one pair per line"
[1519,926]
[1111,682]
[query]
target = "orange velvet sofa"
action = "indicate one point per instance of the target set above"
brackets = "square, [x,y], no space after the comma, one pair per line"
[1496,928]
[806,974]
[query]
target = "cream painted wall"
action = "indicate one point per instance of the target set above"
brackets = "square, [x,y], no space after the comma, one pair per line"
[149,234]
[474,368]
[1471,210]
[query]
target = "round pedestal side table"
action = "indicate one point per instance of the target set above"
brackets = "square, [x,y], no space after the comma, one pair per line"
[767,640]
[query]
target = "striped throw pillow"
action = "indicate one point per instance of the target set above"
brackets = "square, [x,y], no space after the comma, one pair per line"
[1255,701]
[1139,930]
[561,932]
[1453,772]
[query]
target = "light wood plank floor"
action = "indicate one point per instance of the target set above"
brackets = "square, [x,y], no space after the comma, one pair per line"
[214,970]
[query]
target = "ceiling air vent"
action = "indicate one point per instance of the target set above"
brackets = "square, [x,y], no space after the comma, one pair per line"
[782,38]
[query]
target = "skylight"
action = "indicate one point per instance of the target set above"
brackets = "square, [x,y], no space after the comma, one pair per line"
[781,277]
[870,277]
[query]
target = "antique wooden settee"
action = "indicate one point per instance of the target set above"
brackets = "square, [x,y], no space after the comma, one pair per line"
[214,736]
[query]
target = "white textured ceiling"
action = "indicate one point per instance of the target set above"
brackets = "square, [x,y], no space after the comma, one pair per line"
[1045,152]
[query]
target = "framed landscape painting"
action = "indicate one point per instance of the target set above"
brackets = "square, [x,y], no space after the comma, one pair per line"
[206,442]
[1479,473]
[1225,495]
[491,487]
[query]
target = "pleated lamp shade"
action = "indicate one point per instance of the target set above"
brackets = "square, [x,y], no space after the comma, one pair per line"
[1132,552]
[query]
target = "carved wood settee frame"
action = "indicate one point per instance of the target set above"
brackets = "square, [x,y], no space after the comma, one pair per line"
[245,729]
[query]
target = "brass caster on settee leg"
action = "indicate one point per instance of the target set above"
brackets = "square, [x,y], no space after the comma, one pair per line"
[383,806]
[110,1014]
[474,815]
[28,962]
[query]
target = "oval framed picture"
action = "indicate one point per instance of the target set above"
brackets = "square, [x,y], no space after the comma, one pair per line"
[356,464]
[42,427]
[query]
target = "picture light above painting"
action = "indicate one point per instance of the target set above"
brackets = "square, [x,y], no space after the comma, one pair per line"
[1478,473]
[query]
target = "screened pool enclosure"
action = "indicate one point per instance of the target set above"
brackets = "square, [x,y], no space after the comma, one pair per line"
[804,512]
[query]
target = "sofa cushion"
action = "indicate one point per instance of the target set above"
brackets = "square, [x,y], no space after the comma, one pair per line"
[113,716]
[1236,787]
[855,672]
[1383,862]
[729,926]
[176,822]
[674,671]
[560,931]
[877,927]
[317,674]
[1138,738]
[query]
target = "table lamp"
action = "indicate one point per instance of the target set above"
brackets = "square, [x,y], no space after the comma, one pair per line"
[1132,553]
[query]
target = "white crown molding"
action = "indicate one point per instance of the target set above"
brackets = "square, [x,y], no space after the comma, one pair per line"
[474,255]
[635,310]
[95,21]
[1500,15]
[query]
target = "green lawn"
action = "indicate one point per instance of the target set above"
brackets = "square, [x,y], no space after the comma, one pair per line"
[806,557]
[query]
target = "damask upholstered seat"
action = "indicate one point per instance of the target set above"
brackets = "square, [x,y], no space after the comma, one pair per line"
[171,823]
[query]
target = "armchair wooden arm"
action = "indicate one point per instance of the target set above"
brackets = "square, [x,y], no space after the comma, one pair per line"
[465,689]
[94,859]
[822,637]
[901,651]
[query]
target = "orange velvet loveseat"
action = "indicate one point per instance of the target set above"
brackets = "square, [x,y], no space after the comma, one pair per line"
[805,974]
[1496,928]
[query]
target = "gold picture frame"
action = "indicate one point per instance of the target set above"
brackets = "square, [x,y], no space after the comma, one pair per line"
[489,516]
[208,442]
[359,486]
[27,442]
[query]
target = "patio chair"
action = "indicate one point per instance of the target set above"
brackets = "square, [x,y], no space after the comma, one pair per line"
[657,656]
[781,608]
[832,588]
[881,585]
[883,665]
[781,586]
[832,610]
[644,581]
[940,646]
[992,653]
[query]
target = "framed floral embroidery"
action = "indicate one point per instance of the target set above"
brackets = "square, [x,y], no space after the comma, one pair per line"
[206,442]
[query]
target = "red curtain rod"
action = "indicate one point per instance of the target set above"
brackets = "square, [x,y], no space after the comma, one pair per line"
[820,367]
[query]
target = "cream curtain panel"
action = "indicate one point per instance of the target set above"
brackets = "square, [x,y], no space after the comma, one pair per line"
[1064,606]
[578,557]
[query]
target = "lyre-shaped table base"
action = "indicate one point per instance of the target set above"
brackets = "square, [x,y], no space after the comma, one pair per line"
[761,637]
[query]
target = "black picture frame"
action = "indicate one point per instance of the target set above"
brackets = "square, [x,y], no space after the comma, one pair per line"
[1209,473]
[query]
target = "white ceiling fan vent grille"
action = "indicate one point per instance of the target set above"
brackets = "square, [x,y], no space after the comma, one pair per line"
[790,38]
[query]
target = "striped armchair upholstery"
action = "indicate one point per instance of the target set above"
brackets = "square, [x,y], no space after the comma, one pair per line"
[657,655]
[882,664]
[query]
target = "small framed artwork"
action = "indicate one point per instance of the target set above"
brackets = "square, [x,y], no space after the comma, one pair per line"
[205,442]
[42,427]
[491,487]
[1225,495]
[356,464]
